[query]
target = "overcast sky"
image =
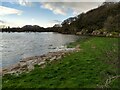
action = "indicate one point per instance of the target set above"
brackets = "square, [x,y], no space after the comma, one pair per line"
[26,12]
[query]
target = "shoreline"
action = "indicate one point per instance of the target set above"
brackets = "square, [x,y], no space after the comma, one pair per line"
[28,64]
[93,62]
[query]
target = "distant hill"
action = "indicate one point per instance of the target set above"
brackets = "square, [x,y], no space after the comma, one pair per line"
[33,28]
[26,28]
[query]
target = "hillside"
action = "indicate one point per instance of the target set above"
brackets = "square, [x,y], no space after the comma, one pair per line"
[104,17]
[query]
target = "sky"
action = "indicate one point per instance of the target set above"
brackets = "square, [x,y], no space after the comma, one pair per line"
[17,13]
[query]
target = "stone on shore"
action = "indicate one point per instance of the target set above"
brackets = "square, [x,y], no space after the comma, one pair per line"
[41,63]
[26,65]
[30,67]
[53,58]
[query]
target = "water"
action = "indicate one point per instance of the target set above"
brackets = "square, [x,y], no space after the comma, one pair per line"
[16,46]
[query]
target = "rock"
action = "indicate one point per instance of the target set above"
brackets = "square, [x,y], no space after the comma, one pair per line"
[29,62]
[44,59]
[11,72]
[79,33]
[78,46]
[59,57]
[15,67]
[110,34]
[42,56]
[41,63]
[35,61]
[43,66]
[53,58]
[119,34]
[96,32]
[23,64]
[0,72]
[30,67]
[104,33]
[4,71]
[63,53]
[22,69]
[38,61]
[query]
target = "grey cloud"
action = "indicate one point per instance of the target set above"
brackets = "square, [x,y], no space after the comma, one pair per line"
[53,22]
[1,21]
[57,8]
[56,21]
[21,2]
[25,2]
[63,7]
[54,0]
[112,0]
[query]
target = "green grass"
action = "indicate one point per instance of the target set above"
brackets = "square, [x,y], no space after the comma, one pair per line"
[88,68]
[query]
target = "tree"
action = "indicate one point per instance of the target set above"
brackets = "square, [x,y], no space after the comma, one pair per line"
[109,25]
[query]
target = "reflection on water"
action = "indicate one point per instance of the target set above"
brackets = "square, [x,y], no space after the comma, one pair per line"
[15,46]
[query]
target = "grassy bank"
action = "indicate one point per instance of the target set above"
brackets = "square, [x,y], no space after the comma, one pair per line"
[89,68]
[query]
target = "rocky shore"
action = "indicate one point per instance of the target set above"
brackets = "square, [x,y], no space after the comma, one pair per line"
[27,64]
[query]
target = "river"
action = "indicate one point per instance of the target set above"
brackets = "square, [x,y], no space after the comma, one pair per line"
[16,46]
